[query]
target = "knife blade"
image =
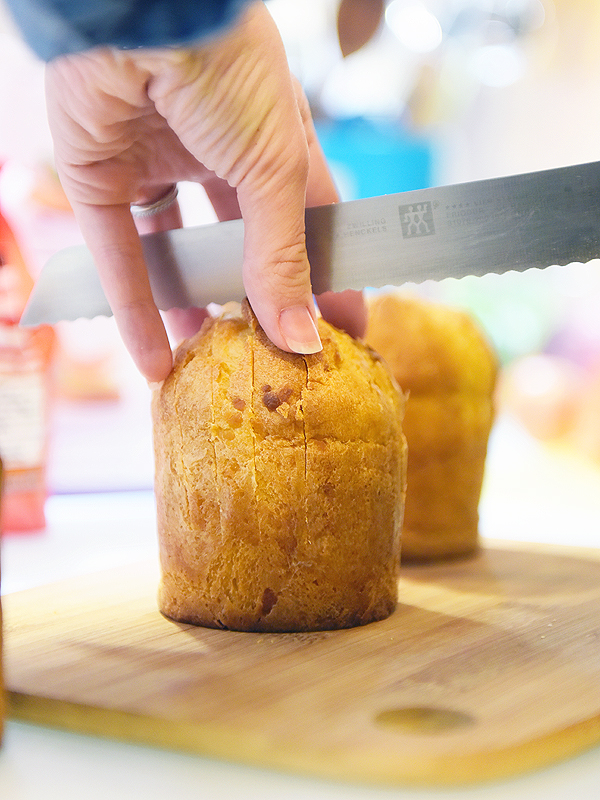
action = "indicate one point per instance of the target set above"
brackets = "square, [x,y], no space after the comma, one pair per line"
[518,222]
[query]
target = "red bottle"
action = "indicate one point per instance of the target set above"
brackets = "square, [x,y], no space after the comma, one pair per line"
[26,357]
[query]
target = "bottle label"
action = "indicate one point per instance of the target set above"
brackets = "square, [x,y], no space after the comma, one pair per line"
[22,419]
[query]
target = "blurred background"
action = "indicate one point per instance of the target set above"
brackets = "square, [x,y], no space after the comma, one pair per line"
[405,94]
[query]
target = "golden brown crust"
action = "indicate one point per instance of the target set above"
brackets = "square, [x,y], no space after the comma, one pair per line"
[279,482]
[441,359]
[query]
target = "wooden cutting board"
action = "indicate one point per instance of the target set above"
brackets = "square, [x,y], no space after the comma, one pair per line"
[488,668]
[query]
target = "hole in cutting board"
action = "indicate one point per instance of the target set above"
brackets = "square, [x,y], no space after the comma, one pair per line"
[422,719]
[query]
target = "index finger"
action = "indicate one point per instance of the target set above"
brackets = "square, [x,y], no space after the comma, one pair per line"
[114,242]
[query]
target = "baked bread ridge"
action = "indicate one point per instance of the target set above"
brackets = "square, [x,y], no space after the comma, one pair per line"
[280,482]
[441,358]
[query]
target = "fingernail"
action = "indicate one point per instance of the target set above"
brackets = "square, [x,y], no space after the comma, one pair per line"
[299,330]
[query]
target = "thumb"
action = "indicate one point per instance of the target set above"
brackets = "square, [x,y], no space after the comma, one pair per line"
[270,176]
[276,271]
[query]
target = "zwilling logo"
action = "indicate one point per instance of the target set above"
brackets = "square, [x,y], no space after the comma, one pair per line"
[416,219]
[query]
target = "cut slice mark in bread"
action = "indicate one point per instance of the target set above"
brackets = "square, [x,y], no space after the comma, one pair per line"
[212,416]
[301,406]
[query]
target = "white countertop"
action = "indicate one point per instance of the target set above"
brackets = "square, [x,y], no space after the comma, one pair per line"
[41,764]
[541,495]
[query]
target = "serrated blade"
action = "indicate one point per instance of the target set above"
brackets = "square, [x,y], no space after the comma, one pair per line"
[536,219]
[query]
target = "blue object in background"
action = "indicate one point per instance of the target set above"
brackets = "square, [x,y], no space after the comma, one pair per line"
[370,157]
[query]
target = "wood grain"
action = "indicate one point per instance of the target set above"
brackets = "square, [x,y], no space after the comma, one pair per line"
[489,667]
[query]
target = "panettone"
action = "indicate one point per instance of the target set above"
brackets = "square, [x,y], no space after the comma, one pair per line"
[280,481]
[443,361]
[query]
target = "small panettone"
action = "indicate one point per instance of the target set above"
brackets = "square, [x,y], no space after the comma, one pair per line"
[442,360]
[280,482]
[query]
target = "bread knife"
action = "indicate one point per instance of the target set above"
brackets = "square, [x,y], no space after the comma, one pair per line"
[518,222]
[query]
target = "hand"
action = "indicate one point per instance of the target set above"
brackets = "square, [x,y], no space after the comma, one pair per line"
[127,125]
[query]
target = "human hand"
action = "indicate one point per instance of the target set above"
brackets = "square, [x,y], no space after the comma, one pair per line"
[128,124]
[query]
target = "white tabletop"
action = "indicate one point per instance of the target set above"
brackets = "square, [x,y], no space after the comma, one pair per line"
[541,495]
